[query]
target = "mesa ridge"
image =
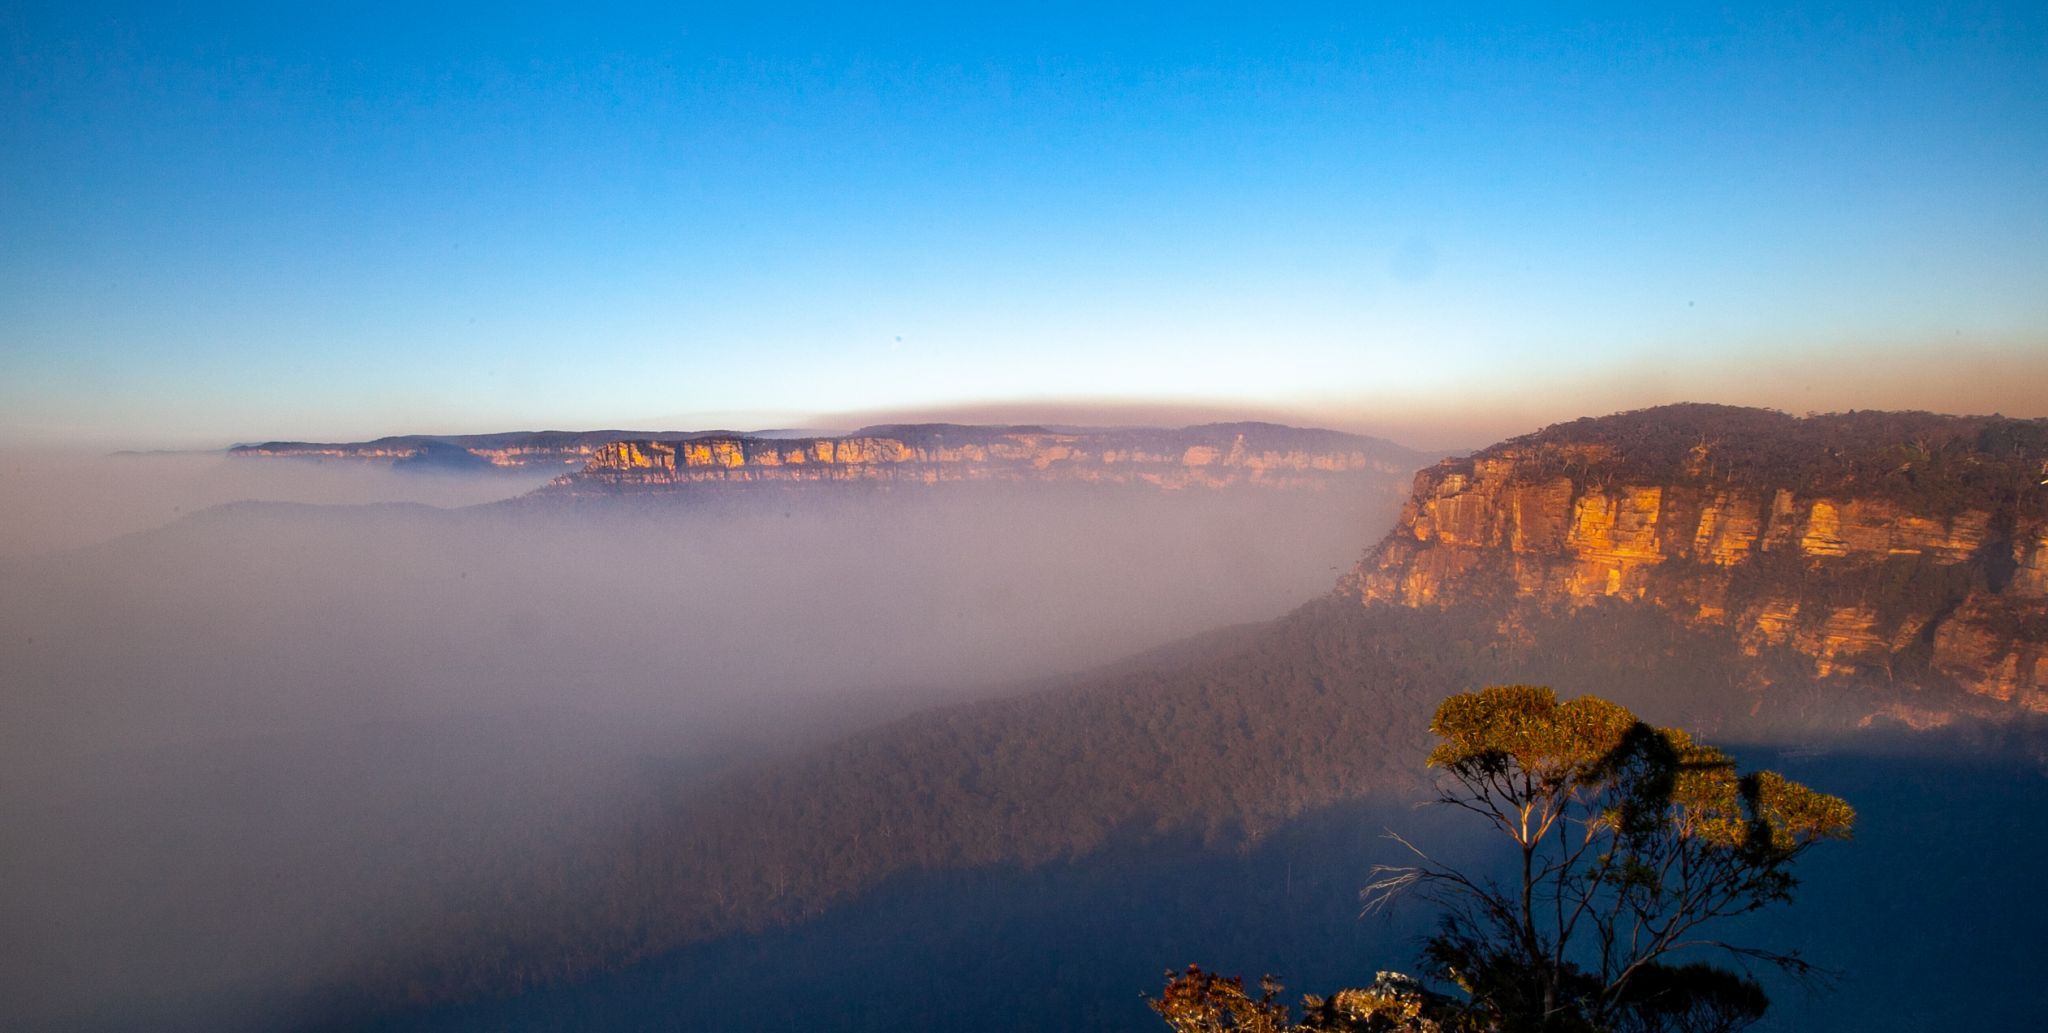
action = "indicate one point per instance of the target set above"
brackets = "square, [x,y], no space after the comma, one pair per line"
[1902,547]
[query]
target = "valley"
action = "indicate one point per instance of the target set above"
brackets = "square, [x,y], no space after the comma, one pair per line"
[736,743]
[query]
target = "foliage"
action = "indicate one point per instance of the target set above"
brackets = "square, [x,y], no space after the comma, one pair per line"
[1630,842]
[1196,1001]
[1931,464]
[1204,1002]
[1221,739]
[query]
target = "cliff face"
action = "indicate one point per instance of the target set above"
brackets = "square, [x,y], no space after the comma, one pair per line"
[1904,548]
[512,450]
[1213,456]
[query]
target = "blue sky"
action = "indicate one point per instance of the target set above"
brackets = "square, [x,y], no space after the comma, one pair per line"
[241,223]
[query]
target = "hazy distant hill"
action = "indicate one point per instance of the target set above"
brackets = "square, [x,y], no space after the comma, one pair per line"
[535,448]
[613,462]
[1219,455]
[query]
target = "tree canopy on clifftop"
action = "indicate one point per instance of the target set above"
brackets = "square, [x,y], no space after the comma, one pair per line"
[1631,845]
[1934,463]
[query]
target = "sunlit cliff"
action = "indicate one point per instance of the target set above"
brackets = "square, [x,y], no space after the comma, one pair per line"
[1212,456]
[511,450]
[1901,547]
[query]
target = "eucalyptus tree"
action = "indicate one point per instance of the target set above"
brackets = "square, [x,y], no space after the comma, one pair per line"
[1631,847]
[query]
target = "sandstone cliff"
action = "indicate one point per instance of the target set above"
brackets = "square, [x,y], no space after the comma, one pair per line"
[1894,547]
[510,450]
[1211,456]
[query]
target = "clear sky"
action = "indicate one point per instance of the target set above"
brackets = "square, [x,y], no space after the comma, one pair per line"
[284,220]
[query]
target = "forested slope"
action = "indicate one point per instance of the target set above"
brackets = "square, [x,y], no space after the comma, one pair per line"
[1223,740]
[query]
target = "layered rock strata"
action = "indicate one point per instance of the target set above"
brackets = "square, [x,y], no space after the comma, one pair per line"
[510,450]
[1212,456]
[1903,547]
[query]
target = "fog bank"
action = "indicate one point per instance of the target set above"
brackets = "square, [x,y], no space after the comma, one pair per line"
[54,499]
[269,729]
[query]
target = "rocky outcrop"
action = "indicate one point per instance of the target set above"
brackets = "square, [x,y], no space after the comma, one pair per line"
[1211,456]
[610,462]
[512,450]
[1890,546]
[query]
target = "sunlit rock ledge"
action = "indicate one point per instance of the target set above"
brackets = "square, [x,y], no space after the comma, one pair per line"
[1212,456]
[1905,547]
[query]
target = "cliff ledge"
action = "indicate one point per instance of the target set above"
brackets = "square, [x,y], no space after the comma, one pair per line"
[1907,547]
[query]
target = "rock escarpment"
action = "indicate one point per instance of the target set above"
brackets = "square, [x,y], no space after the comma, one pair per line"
[1898,547]
[611,462]
[513,450]
[1210,456]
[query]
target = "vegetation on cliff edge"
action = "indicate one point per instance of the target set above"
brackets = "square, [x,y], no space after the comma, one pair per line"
[1631,843]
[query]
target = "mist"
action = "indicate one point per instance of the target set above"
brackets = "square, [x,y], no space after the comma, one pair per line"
[243,746]
[57,499]
[1487,400]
